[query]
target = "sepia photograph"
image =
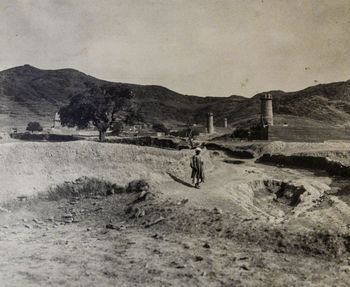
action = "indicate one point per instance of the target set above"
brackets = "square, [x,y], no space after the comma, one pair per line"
[175,143]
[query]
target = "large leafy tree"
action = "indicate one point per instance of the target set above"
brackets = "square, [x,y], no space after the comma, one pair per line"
[99,105]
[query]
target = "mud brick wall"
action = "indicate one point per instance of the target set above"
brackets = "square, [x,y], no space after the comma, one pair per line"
[307,134]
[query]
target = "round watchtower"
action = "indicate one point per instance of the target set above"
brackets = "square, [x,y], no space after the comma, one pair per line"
[210,123]
[266,110]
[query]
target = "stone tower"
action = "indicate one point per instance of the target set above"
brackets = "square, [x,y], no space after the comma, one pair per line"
[57,121]
[266,110]
[210,123]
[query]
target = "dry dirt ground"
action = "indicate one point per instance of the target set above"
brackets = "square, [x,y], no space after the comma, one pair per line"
[248,225]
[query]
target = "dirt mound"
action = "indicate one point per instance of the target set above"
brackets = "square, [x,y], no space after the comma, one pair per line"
[29,168]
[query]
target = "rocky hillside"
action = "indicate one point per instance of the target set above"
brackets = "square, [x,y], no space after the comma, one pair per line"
[28,93]
[328,103]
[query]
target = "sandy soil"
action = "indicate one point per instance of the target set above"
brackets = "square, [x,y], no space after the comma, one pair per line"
[237,230]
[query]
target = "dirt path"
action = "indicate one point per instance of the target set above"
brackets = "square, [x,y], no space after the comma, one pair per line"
[225,186]
[214,192]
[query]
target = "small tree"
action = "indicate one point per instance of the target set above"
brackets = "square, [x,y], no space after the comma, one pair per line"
[34,127]
[159,127]
[100,105]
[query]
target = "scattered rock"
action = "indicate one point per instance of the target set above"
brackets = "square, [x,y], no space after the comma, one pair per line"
[186,246]
[198,258]
[281,243]
[206,245]
[139,213]
[22,197]
[112,226]
[67,216]
[244,267]
[143,195]
[247,219]
[37,221]
[182,202]
[345,269]
[177,265]
[121,227]
[27,226]
[157,251]
[217,210]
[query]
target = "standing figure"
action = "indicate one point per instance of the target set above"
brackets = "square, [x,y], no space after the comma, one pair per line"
[197,168]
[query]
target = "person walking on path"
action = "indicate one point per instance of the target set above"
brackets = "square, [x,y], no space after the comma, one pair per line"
[197,168]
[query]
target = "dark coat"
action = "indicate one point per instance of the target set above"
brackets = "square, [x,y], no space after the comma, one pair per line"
[197,168]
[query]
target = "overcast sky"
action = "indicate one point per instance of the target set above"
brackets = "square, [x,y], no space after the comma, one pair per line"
[199,47]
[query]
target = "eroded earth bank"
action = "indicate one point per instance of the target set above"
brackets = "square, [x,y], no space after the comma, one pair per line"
[92,214]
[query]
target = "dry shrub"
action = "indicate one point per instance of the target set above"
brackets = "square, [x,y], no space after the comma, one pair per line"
[83,187]
[137,186]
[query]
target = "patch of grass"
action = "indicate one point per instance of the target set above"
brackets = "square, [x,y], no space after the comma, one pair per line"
[83,187]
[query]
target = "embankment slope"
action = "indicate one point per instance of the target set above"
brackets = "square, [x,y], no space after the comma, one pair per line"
[28,168]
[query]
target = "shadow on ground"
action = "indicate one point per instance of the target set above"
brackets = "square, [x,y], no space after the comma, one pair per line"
[179,180]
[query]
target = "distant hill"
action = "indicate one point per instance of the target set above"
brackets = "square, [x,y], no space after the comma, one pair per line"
[329,103]
[28,93]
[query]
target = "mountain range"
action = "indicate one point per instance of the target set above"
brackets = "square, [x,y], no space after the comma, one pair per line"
[31,94]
